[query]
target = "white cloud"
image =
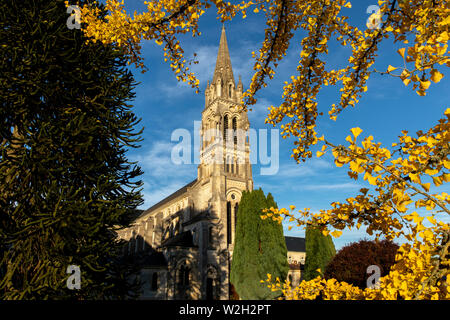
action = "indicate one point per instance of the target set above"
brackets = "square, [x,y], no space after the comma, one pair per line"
[154,192]
[329,186]
[161,175]
[259,111]
[292,170]
[157,162]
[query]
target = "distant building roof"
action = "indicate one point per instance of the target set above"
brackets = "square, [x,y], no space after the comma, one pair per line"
[295,244]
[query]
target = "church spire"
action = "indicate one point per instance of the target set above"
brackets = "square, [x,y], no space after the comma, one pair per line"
[223,70]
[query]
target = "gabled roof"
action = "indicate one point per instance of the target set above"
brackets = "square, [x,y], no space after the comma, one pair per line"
[295,244]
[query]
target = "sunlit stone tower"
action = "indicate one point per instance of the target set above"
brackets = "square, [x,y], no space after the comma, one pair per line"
[185,241]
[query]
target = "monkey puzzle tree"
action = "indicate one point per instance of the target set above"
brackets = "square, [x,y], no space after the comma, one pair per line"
[65,182]
[259,248]
[421,28]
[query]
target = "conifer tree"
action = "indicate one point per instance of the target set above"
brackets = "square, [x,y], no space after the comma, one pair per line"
[319,252]
[260,248]
[66,185]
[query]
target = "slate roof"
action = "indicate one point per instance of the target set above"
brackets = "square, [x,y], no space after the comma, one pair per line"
[155,259]
[171,197]
[184,239]
[199,216]
[295,244]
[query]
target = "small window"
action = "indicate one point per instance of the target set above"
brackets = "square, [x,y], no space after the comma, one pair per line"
[183,276]
[234,126]
[225,127]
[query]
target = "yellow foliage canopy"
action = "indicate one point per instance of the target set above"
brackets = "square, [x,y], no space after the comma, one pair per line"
[422,265]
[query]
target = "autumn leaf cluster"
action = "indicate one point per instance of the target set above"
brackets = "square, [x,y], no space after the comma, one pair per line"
[404,178]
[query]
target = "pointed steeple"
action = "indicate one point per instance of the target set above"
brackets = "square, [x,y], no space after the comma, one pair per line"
[223,70]
[240,86]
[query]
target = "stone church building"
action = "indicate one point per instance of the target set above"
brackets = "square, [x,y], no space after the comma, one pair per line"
[185,241]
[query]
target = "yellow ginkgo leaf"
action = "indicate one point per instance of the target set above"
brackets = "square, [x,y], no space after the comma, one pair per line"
[336,233]
[356,131]
[436,76]
[401,52]
[391,68]
[349,139]
[431,219]
[437,181]
[425,84]
[421,93]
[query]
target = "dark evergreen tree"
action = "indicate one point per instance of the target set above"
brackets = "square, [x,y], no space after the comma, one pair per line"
[319,252]
[66,185]
[260,248]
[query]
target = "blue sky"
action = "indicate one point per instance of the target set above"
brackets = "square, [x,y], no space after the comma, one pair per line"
[165,105]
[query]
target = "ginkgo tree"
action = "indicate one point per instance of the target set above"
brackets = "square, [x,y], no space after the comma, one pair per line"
[400,175]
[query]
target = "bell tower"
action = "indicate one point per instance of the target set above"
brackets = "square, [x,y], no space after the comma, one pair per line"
[225,147]
[225,165]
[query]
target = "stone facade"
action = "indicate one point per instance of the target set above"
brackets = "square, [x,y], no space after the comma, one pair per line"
[188,237]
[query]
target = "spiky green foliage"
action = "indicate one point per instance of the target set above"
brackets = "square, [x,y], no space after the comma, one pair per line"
[260,248]
[319,252]
[66,185]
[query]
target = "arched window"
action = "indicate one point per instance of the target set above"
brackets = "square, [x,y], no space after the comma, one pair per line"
[140,243]
[183,276]
[237,165]
[236,208]
[154,281]
[212,284]
[177,227]
[166,234]
[229,90]
[171,230]
[234,124]
[225,128]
